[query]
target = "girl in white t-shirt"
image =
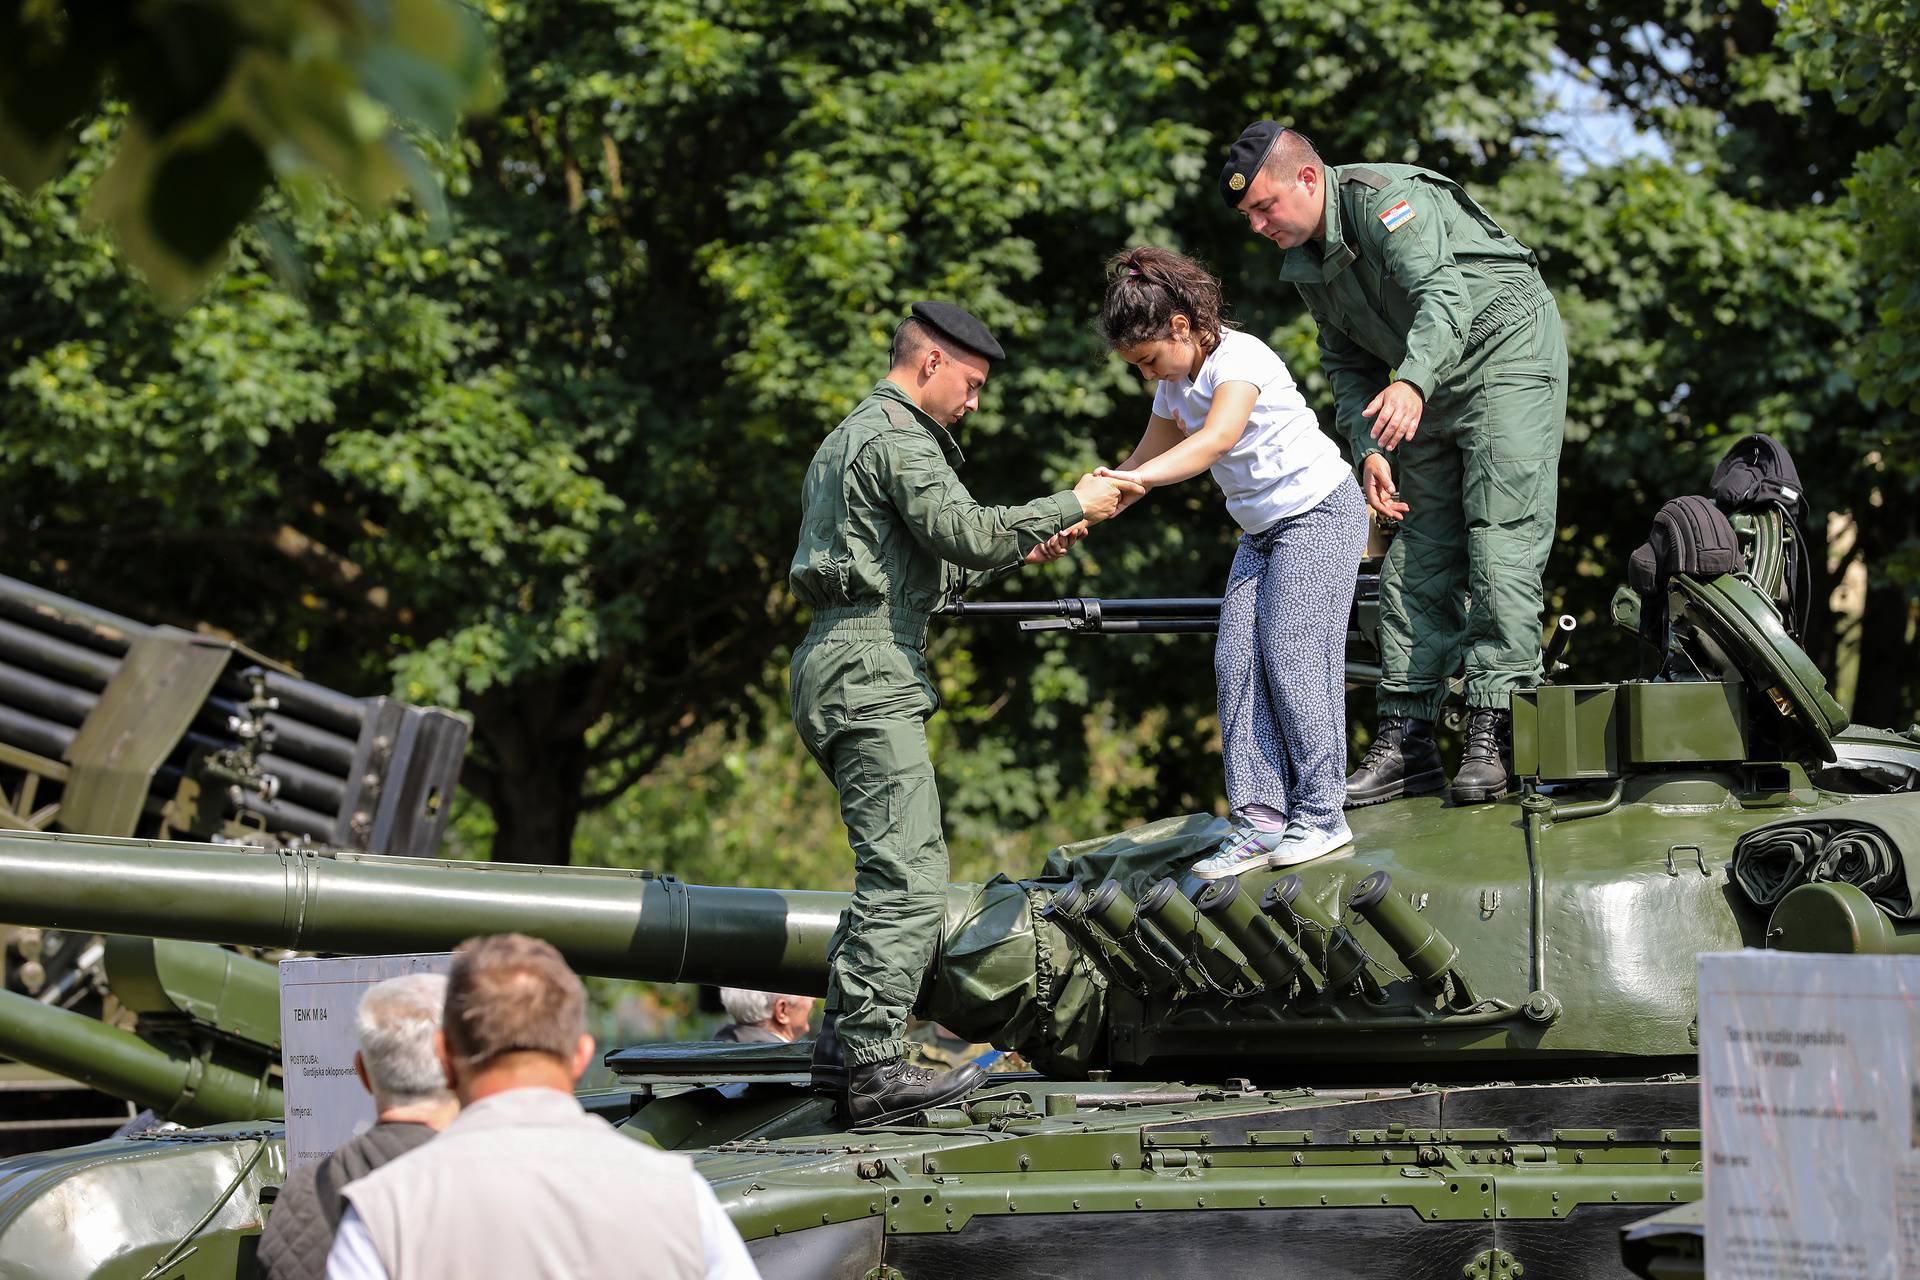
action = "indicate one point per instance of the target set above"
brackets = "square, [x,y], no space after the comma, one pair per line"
[1225,403]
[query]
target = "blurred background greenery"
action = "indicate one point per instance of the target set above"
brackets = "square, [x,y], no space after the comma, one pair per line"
[475,354]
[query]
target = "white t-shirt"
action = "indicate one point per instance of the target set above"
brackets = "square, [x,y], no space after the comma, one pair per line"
[1283,463]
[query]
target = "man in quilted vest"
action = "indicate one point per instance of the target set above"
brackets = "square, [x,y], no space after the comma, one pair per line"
[396,1022]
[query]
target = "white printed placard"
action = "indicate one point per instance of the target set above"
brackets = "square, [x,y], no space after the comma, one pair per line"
[1810,1115]
[318,1001]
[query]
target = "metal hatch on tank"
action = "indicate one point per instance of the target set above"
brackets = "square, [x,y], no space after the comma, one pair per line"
[1466,1048]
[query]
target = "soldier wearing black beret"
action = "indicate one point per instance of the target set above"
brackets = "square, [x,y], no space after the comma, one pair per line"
[888,534]
[1445,350]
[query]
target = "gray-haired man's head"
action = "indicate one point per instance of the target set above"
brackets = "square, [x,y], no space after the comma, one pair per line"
[397,1022]
[788,1017]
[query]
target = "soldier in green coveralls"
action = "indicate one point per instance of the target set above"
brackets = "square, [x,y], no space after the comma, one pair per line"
[887,535]
[1445,350]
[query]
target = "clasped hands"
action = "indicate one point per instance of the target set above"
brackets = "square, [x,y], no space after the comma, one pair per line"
[1103,495]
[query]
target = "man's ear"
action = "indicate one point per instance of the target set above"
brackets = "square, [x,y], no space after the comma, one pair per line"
[582,1057]
[930,363]
[446,1058]
[360,1069]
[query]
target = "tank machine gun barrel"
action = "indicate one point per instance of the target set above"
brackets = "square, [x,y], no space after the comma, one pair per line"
[1168,615]
[1098,616]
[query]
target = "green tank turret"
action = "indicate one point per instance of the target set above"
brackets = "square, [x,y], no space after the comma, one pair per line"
[1465,1048]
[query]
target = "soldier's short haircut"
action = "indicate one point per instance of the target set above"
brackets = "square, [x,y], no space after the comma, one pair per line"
[910,340]
[1290,150]
[509,993]
[396,1022]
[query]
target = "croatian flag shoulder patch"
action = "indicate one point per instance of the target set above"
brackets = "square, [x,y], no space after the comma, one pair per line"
[1397,217]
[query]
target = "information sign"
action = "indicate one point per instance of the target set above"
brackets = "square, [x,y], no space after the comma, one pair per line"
[318,1001]
[1811,1119]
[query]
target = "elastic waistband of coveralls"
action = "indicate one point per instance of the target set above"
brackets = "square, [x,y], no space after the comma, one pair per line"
[1509,307]
[870,623]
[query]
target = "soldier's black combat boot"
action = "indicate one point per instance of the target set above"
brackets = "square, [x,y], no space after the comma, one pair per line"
[1486,765]
[1404,760]
[883,1091]
[829,1059]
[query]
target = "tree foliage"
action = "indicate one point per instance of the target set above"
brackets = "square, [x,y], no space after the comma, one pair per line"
[545,465]
[221,97]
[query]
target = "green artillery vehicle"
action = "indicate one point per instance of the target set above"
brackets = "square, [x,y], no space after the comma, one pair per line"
[1465,1048]
[112,727]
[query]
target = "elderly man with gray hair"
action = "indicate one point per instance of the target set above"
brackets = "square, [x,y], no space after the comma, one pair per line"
[764,1017]
[396,1063]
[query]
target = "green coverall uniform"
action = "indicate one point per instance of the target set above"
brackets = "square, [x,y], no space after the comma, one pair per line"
[1414,277]
[887,534]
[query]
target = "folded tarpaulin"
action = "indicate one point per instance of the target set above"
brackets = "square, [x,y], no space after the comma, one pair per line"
[1873,845]
[1008,976]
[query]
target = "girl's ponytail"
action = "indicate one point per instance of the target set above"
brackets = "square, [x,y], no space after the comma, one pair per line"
[1147,287]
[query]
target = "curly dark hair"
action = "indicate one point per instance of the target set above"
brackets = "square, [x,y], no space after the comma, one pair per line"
[1147,287]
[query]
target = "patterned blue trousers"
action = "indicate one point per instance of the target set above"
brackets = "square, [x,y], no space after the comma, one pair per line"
[1280,662]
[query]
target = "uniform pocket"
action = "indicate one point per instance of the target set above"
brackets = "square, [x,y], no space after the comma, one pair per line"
[895,686]
[1522,412]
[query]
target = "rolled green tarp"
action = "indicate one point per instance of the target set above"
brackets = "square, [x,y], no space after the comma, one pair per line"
[1008,976]
[1872,844]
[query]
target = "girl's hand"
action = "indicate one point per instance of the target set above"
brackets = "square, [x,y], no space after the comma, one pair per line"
[1058,545]
[1127,496]
[1377,475]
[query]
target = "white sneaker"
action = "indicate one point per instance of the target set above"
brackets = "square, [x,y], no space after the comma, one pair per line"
[1303,843]
[1245,849]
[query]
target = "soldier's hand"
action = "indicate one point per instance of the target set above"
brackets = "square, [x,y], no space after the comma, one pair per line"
[1377,475]
[1128,496]
[1058,545]
[1395,413]
[1100,496]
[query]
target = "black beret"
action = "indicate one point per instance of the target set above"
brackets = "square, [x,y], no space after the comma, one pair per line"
[957,324]
[1244,158]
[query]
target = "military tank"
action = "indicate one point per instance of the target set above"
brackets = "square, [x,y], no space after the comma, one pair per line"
[1465,1048]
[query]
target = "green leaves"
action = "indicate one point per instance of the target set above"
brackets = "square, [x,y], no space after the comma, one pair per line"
[543,460]
[222,98]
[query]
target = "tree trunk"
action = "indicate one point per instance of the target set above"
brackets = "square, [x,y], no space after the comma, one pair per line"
[1884,696]
[538,768]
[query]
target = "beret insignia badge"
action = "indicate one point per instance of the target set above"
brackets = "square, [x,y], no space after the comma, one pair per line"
[1238,181]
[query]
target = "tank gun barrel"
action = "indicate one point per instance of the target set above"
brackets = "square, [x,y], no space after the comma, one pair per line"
[192,1088]
[610,923]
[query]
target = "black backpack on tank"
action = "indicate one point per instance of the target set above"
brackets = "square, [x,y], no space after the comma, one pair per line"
[1758,480]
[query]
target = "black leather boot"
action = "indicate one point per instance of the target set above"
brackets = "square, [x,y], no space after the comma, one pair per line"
[883,1091]
[1404,760]
[1486,765]
[829,1059]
